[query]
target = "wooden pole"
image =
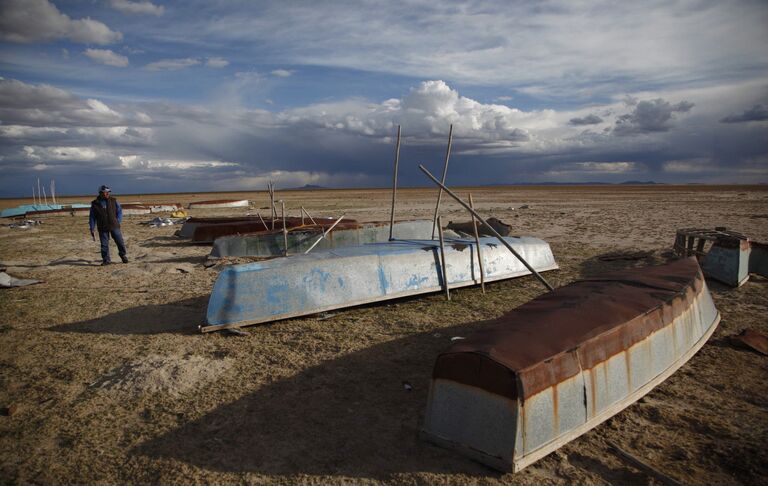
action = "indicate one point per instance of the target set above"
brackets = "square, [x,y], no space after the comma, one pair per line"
[53,191]
[45,196]
[324,234]
[34,201]
[308,215]
[266,228]
[272,204]
[442,258]
[285,231]
[445,172]
[39,201]
[495,233]
[394,186]
[477,242]
[643,466]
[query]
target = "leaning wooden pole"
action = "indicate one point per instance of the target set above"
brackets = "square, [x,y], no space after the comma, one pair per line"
[477,243]
[442,258]
[490,228]
[394,186]
[325,233]
[445,173]
[285,230]
[272,211]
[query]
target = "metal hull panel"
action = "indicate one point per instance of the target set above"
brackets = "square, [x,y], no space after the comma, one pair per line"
[306,284]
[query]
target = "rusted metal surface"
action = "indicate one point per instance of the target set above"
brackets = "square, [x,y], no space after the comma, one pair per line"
[206,230]
[726,256]
[752,339]
[568,360]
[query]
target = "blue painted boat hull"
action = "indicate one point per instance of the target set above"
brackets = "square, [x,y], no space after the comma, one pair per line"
[343,277]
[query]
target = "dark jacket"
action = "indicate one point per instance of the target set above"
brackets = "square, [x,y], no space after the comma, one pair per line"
[105,218]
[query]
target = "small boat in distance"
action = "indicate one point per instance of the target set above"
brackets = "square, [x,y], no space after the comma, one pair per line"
[538,377]
[219,203]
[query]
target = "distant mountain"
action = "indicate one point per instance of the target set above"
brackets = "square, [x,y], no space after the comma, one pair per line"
[305,187]
[639,183]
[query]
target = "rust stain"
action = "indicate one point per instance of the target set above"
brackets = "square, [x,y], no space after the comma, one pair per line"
[579,326]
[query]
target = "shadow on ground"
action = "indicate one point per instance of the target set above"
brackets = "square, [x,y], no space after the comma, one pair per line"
[351,416]
[180,317]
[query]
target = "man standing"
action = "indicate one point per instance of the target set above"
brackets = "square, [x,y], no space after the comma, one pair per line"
[106,215]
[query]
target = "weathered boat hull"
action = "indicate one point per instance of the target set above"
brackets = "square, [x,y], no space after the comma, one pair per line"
[344,277]
[300,239]
[561,364]
[730,258]
[219,204]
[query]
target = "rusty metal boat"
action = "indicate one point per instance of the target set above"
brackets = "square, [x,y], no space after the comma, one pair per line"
[540,376]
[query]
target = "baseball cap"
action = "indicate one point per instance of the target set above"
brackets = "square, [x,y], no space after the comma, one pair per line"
[105,189]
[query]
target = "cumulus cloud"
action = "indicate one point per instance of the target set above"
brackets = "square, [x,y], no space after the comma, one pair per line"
[127,6]
[650,116]
[591,119]
[758,112]
[107,57]
[281,73]
[41,21]
[172,64]
[216,62]
[44,105]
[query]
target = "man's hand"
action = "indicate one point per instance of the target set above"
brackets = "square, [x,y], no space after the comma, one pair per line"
[93,236]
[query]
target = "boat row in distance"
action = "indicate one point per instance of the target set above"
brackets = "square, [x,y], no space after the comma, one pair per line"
[525,384]
[300,285]
[220,204]
[347,233]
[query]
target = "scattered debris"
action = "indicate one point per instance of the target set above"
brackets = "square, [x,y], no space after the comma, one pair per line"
[752,339]
[158,222]
[6,281]
[235,332]
[457,338]
[407,386]
[524,206]
[466,228]
[643,466]
[26,224]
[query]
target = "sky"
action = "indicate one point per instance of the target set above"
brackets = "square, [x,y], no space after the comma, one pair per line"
[214,95]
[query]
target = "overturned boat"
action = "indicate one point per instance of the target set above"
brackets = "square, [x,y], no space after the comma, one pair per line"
[529,382]
[300,239]
[219,204]
[343,277]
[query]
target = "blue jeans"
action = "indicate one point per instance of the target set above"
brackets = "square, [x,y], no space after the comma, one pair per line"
[104,239]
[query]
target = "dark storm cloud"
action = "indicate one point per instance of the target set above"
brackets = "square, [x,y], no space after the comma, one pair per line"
[649,117]
[587,120]
[756,113]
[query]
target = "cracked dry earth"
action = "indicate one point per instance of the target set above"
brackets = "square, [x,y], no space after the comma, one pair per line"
[104,377]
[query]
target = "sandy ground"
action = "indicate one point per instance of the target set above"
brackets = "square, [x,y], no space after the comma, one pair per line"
[104,377]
